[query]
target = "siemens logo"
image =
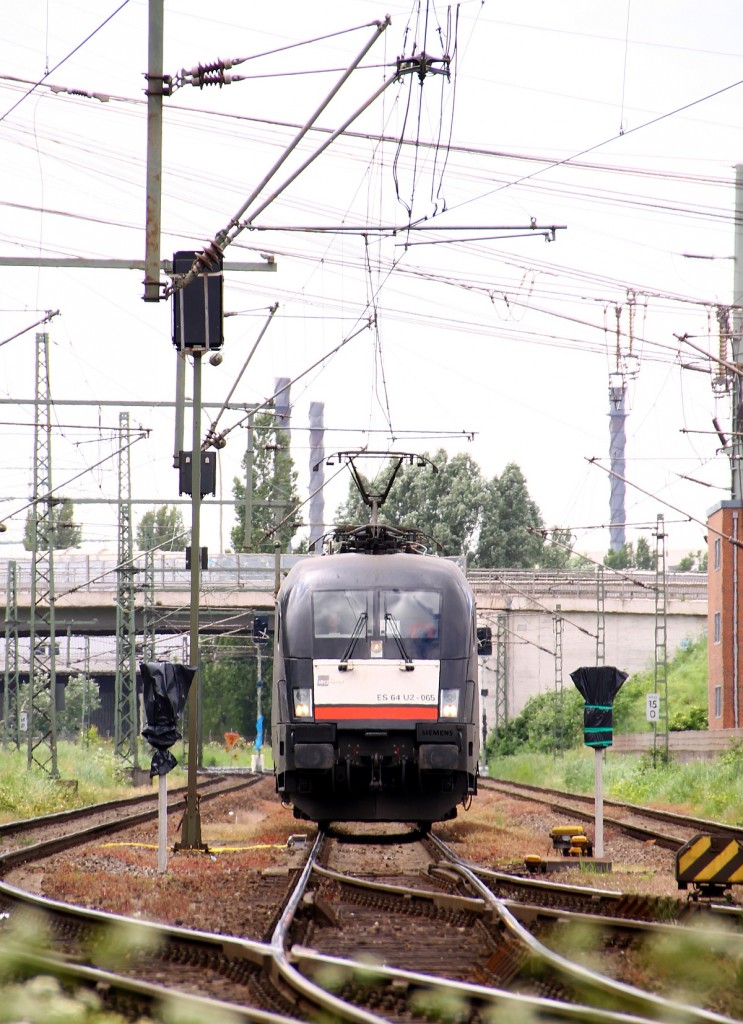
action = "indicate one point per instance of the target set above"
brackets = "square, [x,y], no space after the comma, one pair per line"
[431,733]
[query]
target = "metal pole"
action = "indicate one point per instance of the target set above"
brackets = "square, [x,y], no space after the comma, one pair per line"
[191,827]
[248,524]
[155,85]
[598,767]
[162,823]
[259,714]
[180,402]
[481,663]
[736,442]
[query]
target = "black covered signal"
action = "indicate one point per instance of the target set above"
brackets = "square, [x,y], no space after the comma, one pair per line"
[484,641]
[165,687]
[260,629]
[197,307]
[598,685]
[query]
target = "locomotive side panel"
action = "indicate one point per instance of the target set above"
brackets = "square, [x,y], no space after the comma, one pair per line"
[375,689]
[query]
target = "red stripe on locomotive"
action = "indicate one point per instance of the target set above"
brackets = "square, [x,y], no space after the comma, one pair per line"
[376,711]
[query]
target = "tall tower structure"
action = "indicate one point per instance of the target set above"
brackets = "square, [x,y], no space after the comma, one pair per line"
[617,445]
[11,735]
[41,712]
[126,734]
[625,368]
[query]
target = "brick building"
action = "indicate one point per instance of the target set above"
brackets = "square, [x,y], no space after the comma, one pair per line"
[725,614]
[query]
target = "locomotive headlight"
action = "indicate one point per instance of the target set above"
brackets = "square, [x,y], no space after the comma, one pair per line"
[449,704]
[376,649]
[302,703]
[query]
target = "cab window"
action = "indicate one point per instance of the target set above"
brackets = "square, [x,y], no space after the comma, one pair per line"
[336,613]
[414,613]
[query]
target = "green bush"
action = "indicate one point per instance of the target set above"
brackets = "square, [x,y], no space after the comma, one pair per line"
[549,721]
[693,717]
[687,689]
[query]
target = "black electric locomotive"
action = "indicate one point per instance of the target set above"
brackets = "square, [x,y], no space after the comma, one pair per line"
[375,691]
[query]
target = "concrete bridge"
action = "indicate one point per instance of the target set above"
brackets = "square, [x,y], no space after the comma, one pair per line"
[534,607]
[537,605]
[85,591]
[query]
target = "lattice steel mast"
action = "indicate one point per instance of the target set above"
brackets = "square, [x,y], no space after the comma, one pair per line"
[500,649]
[11,734]
[41,713]
[600,615]
[125,710]
[148,606]
[558,626]
[661,650]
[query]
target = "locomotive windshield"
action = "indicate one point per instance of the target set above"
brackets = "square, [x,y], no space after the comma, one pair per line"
[407,616]
[337,612]
[415,612]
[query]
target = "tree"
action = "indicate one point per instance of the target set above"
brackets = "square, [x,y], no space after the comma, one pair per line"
[548,721]
[694,561]
[511,528]
[644,557]
[162,527]
[81,699]
[621,558]
[627,557]
[275,496]
[229,668]
[65,533]
[444,505]
[558,554]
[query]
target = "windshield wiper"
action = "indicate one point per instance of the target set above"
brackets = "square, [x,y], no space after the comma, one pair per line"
[357,631]
[394,629]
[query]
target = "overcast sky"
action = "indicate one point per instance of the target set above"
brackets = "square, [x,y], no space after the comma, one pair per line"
[616,120]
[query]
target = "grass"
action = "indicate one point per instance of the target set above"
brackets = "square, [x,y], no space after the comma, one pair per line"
[98,773]
[709,789]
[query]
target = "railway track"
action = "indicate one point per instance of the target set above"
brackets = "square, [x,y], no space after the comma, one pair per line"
[439,933]
[449,941]
[32,838]
[638,822]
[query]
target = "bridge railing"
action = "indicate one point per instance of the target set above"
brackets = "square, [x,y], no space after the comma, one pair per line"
[85,573]
[94,573]
[629,585]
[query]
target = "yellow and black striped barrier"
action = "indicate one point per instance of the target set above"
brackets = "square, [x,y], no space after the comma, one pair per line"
[709,863]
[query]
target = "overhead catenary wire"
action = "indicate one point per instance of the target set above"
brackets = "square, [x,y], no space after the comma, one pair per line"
[566,342]
[269,401]
[48,495]
[235,225]
[238,378]
[50,71]
[595,461]
[599,145]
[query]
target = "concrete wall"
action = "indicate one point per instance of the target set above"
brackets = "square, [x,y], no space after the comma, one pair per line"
[629,638]
[684,746]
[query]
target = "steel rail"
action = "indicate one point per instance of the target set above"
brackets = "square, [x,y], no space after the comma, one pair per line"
[73,813]
[663,839]
[285,968]
[257,953]
[656,813]
[655,1007]
[13,858]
